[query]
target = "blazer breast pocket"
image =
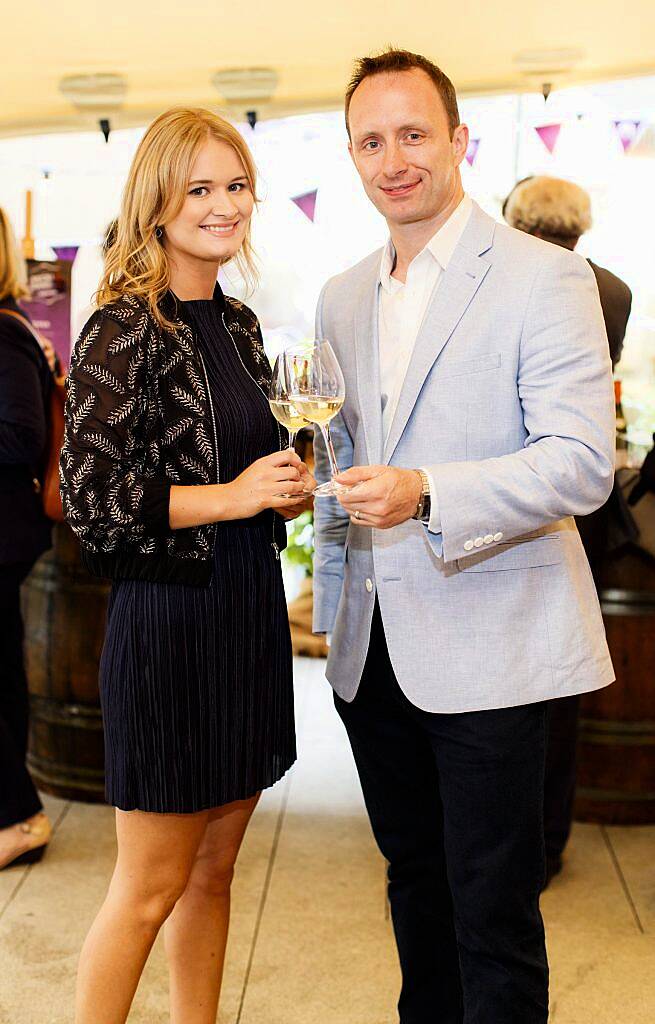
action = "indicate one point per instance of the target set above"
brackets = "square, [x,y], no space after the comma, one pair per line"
[466,367]
[522,554]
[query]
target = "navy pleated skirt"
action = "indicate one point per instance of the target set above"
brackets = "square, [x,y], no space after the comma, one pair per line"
[196,683]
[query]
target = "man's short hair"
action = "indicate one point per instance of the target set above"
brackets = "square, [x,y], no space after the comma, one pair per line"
[392,61]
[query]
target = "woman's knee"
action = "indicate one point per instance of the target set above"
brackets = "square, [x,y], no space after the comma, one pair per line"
[151,900]
[213,875]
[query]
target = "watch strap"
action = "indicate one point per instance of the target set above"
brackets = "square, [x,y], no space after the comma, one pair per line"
[422,513]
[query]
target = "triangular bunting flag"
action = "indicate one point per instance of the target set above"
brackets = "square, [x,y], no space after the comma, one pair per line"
[306,203]
[472,151]
[645,144]
[549,134]
[66,252]
[627,132]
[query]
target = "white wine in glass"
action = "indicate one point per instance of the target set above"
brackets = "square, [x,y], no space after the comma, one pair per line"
[318,391]
[288,415]
[282,402]
[320,410]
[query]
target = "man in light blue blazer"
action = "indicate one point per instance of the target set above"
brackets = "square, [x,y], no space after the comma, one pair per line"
[478,421]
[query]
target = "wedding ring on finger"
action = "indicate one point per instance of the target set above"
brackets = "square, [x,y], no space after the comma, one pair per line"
[358,514]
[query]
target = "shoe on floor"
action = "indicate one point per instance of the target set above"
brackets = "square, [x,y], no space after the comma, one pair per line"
[25,842]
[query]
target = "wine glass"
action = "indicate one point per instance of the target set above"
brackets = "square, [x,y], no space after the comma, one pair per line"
[281,400]
[280,396]
[317,392]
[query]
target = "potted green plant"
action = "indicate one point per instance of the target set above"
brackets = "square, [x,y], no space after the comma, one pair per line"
[299,569]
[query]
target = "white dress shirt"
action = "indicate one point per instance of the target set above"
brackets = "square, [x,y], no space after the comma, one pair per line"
[401,309]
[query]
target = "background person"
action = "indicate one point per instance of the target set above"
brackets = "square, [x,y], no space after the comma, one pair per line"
[478,418]
[173,469]
[25,383]
[559,211]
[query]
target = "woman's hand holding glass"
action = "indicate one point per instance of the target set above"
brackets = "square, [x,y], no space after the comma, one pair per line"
[276,481]
[292,511]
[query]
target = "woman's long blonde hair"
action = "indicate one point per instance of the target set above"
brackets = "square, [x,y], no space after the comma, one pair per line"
[13,276]
[136,262]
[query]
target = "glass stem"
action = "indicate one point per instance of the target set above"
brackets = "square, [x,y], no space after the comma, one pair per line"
[292,439]
[325,430]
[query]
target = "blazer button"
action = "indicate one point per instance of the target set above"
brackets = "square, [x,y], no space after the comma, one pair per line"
[369,586]
[468,545]
[478,542]
[497,537]
[489,538]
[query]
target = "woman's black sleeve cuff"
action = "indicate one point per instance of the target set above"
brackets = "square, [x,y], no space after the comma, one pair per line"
[155,506]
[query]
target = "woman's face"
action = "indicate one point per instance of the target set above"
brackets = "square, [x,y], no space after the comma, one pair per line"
[214,218]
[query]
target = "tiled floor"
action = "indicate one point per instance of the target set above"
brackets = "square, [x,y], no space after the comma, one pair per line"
[311,942]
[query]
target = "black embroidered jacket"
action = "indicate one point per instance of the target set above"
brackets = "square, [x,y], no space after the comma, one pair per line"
[139,419]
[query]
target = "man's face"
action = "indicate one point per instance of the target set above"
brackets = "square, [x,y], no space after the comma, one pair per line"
[401,146]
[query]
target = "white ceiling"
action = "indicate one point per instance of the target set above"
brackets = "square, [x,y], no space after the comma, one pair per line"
[169,50]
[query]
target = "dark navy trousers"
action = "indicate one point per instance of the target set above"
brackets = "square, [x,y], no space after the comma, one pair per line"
[456,806]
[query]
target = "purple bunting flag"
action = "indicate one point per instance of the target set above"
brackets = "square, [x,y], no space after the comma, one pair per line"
[627,132]
[472,151]
[549,134]
[306,203]
[66,252]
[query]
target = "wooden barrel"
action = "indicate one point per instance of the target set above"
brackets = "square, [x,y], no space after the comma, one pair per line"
[64,610]
[616,746]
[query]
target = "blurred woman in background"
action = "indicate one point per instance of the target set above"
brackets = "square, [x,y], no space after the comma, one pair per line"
[25,383]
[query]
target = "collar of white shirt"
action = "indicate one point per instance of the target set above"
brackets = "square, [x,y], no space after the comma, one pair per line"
[441,246]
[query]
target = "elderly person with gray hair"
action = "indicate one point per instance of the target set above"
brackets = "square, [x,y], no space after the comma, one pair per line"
[559,211]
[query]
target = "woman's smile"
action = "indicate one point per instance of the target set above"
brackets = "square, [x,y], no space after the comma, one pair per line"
[221,229]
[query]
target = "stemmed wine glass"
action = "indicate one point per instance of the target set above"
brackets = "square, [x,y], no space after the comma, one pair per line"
[312,390]
[281,400]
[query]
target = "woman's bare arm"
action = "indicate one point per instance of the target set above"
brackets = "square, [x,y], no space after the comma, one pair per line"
[265,484]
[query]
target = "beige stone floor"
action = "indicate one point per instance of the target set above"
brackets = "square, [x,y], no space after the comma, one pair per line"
[311,940]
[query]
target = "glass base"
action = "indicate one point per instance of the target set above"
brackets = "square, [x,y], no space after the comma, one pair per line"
[302,494]
[330,489]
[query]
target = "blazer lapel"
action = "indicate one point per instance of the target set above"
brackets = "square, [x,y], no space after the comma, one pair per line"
[368,363]
[455,291]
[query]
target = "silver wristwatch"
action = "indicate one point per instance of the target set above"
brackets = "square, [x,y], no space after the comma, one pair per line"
[424,503]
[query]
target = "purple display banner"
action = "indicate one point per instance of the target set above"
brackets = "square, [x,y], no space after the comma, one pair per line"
[49,305]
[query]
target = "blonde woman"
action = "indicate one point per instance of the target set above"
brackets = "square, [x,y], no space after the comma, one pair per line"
[172,472]
[25,383]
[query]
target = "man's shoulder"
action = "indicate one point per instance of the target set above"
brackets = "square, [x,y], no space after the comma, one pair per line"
[343,285]
[511,240]
[536,257]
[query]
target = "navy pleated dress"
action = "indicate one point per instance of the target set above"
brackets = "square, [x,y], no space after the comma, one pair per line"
[195,682]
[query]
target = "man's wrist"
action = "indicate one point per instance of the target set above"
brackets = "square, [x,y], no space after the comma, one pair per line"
[422,513]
